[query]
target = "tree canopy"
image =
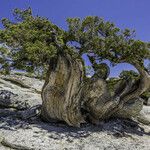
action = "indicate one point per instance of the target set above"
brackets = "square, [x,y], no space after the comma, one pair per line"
[34,44]
[30,41]
[103,40]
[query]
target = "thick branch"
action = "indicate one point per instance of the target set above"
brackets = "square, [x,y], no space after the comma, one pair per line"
[132,91]
[143,85]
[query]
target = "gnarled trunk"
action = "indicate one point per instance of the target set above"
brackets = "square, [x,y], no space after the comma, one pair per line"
[130,103]
[68,97]
[142,86]
[97,99]
[61,91]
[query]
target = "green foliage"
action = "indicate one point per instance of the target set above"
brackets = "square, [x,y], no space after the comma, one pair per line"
[124,76]
[111,83]
[103,40]
[89,70]
[4,60]
[129,75]
[34,40]
[146,95]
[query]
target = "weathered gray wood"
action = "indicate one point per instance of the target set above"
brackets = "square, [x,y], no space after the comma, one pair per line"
[131,92]
[61,92]
[97,99]
[65,93]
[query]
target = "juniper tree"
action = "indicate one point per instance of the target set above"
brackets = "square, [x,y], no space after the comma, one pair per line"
[34,42]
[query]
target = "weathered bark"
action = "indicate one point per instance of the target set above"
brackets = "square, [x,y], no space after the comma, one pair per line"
[129,96]
[68,97]
[96,99]
[143,85]
[61,93]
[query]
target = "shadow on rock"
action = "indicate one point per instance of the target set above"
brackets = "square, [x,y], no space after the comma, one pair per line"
[124,127]
[59,130]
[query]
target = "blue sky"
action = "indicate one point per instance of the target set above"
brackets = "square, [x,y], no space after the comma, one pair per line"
[133,14]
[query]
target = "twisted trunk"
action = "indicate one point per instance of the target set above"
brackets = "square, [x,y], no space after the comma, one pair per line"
[144,84]
[61,92]
[68,97]
[130,104]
